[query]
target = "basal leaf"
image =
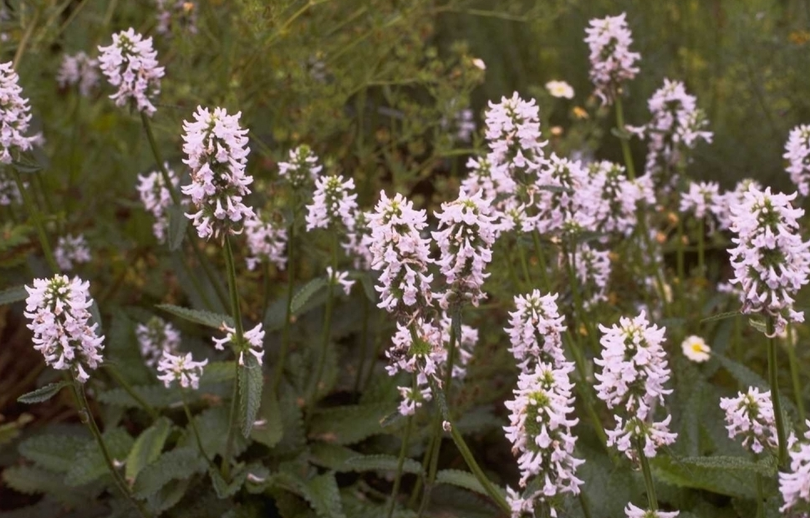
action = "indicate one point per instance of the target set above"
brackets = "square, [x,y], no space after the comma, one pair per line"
[177,464]
[382,463]
[53,452]
[251,381]
[147,447]
[348,424]
[465,480]
[269,427]
[89,464]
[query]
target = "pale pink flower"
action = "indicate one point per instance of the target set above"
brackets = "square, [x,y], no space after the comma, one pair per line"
[14,115]
[612,63]
[180,368]
[71,250]
[130,63]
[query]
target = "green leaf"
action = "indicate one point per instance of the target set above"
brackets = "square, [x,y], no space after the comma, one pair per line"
[324,496]
[43,393]
[198,316]
[350,423]
[31,480]
[218,372]
[271,429]
[177,464]
[12,295]
[225,489]
[382,463]
[465,480]
[147,447]
[89,464]
[738,483]
[11,430]
[721,316]
[212,424]
[177,226]
[168,495]
[53,452]
[765,466]
[368,286]
[331,456]
[305,293]
[759,325]
[157,396]
[250,392]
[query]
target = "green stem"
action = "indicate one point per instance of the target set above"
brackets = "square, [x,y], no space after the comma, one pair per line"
[526,277]
[542,260]
[194,428]
[680,267]
[35,214]
[794,373]
[652,499]
[87,417]
[774,382]
[702,262]
[760,497]
[378,345]
[496,496]
[579,363]
[326,331]
[236,313]
[285,333]
[628,156]
[401,461]
[129,390]
[29,30]
[586,509]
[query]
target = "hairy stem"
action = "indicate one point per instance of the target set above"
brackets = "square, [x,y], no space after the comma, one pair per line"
[652,499]
[774,383]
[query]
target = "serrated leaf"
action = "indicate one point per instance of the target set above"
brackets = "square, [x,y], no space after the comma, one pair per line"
[53,452]
[331,456]
[12,295]
[741,484]
[31,480]
[157,396]
[198,316]
[348,424]
[305,293]
[324,496]
[147,447]
[251,381]
[227,489]
[168,496]
[43,393]
[89,464]
[218,372]
[177,464]
[271,428]
[382,463]
[177,226]
[766,466]
[759,325]
[720,316]
[464,479]
[212,424]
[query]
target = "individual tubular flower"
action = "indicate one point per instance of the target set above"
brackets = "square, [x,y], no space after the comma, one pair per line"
[252,342]
[130,64]
[513,134]
[341,279]
[157,199]
[417,348]
[71,250]
[750,415]
[78,69]
[797,153]
[634,371]
[612,63]
[540,431]
[333,204]
[770,260]
[632,511]
[724,202]
[266,241]
[401,254]
[58,310]
[180,368]
[217,155]
[14,115]
[519,505]
[302,169]
[155,338]
[696,349]
[465,236]
[412,399]
[535,331]
[795,484]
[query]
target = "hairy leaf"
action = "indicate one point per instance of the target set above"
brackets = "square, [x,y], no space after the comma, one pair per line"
[305,293]
[250,393]
[349,424]
[177,464]
[31,480]
[158,396]
[765,467]
[739,483]
[54,452]
[89,464]
[270,427]
[12,295]
[463,479]
[147,447]
[212,424]
[43,393]
[382,463]
[227,489]
[198,316]
[177,226]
